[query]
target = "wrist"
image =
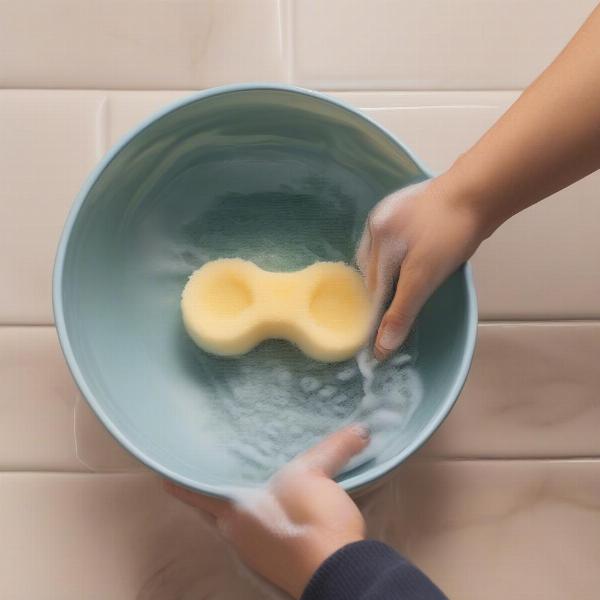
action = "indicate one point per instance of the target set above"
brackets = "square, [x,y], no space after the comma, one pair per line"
[312,556]
[465,189]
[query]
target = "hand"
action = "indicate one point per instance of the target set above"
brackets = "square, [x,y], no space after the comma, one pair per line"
[419,235]
[285,531]
[539,146]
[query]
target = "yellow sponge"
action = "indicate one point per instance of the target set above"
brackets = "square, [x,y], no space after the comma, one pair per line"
[231,305]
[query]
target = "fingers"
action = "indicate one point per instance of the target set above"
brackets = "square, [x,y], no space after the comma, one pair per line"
[214,506]
[367,257]
[330,455]
[415,285]
[364,249]
[379,261]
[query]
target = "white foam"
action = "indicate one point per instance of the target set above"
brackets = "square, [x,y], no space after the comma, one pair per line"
[277,403]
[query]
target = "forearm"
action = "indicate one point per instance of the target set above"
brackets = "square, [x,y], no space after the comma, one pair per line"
[370,570]
[547,140]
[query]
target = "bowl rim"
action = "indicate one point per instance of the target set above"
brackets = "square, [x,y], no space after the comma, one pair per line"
[352,483]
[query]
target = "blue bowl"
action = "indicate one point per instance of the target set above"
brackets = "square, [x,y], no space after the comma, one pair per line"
[274,174]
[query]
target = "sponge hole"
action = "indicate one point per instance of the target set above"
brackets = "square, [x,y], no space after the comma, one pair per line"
[337,303]
[226,296]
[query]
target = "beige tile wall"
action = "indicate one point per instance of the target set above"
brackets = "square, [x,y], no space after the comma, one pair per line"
[504,501]
[430,44]
[138,44]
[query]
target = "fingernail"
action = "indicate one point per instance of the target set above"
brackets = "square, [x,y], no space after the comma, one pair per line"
[390,338]
[379,354]
[362,431]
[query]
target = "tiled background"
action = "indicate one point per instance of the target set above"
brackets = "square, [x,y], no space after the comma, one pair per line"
[504,502]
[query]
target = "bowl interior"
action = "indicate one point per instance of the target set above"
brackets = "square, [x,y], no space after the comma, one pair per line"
[275,176]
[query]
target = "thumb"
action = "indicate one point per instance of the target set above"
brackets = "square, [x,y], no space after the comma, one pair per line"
[331,454]
[415,285]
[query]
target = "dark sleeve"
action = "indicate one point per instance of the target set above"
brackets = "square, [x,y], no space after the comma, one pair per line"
[369,570]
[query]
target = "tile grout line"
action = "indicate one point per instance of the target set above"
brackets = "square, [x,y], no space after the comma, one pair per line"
[26,325]
[291,53]
[325,90]
[137,472]
[429,106]
[101,125]
[508,459]
[392,90]
[411,462]
[282,50]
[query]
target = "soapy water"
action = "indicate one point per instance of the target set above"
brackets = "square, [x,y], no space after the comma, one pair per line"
[265,407]
[276,403]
